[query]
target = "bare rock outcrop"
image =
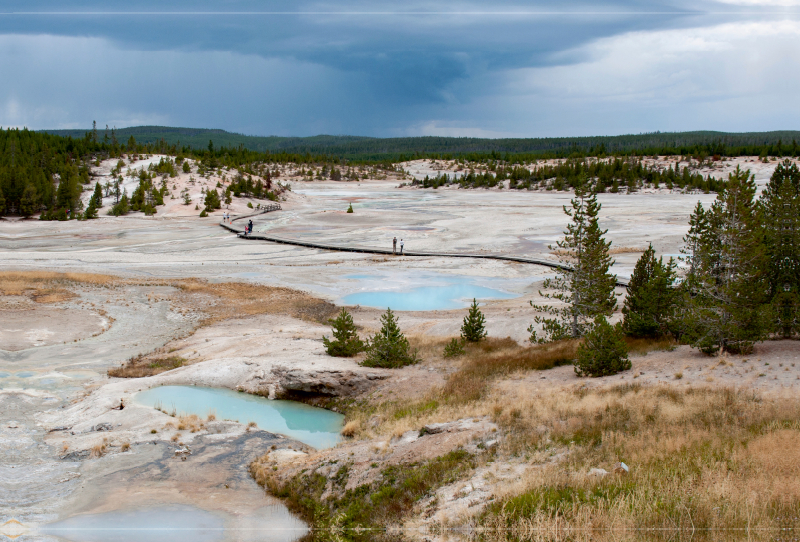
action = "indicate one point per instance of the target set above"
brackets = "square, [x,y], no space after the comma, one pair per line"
[327,381]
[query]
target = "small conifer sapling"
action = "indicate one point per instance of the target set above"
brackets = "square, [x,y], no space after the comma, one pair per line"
[345,342]
[455,348]
[473,329]
[603,351]
[389,348]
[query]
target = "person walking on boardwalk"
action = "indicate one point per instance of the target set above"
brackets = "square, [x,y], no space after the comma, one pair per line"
[401,247]
[249,226]
[394,245]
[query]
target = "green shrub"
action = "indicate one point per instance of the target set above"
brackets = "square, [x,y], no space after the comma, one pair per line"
[250,204]
[473,328]
[203,213]
[345,341]
[350,209]
[120,208]
[603,351]
[389,347]
[212,200]
[454,348]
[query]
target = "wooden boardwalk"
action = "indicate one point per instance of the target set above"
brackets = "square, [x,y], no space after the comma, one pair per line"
[387,252]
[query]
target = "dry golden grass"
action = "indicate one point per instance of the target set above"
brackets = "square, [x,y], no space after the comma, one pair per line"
[16,282]
[640,347]
[191,423]
[465,391]
[708,458]
[47,286]
[494,358]
[351,428]
[221,301]
[625,250]
[99,450]
[139,366]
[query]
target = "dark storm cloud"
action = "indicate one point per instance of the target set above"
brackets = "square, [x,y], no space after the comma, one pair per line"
[390,65]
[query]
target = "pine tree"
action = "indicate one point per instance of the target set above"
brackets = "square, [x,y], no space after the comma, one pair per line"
[389,347]
[585,290]
[29,203]
[122,207]
[472,330]
[651,300]
[2,203]
[95,202]
[454,348]
[726,286]
[698,226]
[212,200]
[603,351]
[345,341]
[780,218]
[68,193]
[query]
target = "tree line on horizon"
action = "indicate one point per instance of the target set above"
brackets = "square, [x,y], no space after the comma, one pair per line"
[42,172]
[371,149]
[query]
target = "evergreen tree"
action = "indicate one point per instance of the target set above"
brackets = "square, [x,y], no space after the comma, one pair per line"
[2,203]
[212,200]
[389,347]
[90,212]
[472,329]
[651,300]
[603,351]
[29,203]
[95,202]
[726,286]
[454,348]
[122,207]
[585,290]
[345,341]
[68,193]
[698,226]
[780,218]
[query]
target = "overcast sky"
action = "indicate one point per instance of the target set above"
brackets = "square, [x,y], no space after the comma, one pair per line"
[380,68]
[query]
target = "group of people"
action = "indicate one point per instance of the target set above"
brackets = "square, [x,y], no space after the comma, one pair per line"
[394,246]
[249,228]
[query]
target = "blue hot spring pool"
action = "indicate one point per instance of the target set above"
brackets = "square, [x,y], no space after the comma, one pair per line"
[441,293]
[316,427]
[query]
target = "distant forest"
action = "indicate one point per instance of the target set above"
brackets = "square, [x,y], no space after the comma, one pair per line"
[355,148]
[47,172]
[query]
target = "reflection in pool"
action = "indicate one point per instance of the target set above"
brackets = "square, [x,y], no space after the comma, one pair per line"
[316,427]
[172,522]
[449,293]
